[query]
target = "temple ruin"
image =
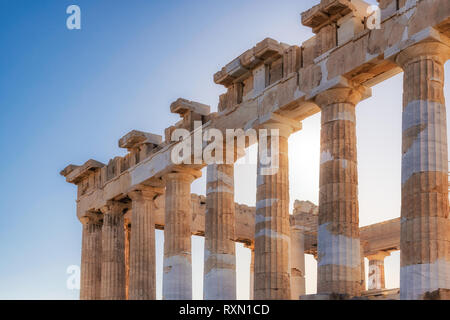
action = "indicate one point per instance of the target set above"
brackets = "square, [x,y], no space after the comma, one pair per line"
[276,85]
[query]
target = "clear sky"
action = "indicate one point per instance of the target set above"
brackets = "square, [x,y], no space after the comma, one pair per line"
[68,96]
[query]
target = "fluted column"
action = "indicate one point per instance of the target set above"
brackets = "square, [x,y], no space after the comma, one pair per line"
[219,281]
[297,262]
[272,228]
[376,270]
[113,252]
[127,233]
[142,245]
[91,257]
[425,224]
[177,273]
[339,269]
[363,267]
[252,274]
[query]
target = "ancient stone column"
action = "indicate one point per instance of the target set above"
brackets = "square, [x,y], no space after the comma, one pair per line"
[297,262]
[272,228]
[252,274]
[91,257]
[219,281]
[127,233]
[113,252]
[363,267]
[142,245]
[177,273]
[339,269]
[376,270]
[425,224]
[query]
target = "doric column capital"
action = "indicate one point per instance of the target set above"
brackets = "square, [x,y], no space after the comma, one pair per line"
[183,173]
[113,207]
[145,193]
[432,50]
[92,217]
[379,256]
[350,95]
[286,126]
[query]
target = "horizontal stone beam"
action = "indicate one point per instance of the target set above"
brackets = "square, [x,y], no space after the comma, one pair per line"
[384,236]
[244,218]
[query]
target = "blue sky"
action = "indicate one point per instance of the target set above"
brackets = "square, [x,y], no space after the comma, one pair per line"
[68,96]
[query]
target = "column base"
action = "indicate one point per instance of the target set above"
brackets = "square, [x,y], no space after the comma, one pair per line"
[439,294]
[382,294]
[387,294]
[326,296]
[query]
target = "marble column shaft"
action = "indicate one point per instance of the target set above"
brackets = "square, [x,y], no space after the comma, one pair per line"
[272,228]
[219,281]
[113,252]
[376,271]
[142,245]
[127,232]
[177,273]
[91,258]
[297,262]
[363,268]
[425,224]
[252,274]
[339,269]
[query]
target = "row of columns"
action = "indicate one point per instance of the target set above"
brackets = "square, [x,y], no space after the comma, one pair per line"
[142,283]
[104,243]
[425,225]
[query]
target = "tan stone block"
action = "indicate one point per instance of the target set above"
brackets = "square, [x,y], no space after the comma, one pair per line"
[383,4]
[309,51]
[326,39]
[428,13]
[346,57]
[309,77]
[292,60]
[247,87]
[275,71]
[348,27]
